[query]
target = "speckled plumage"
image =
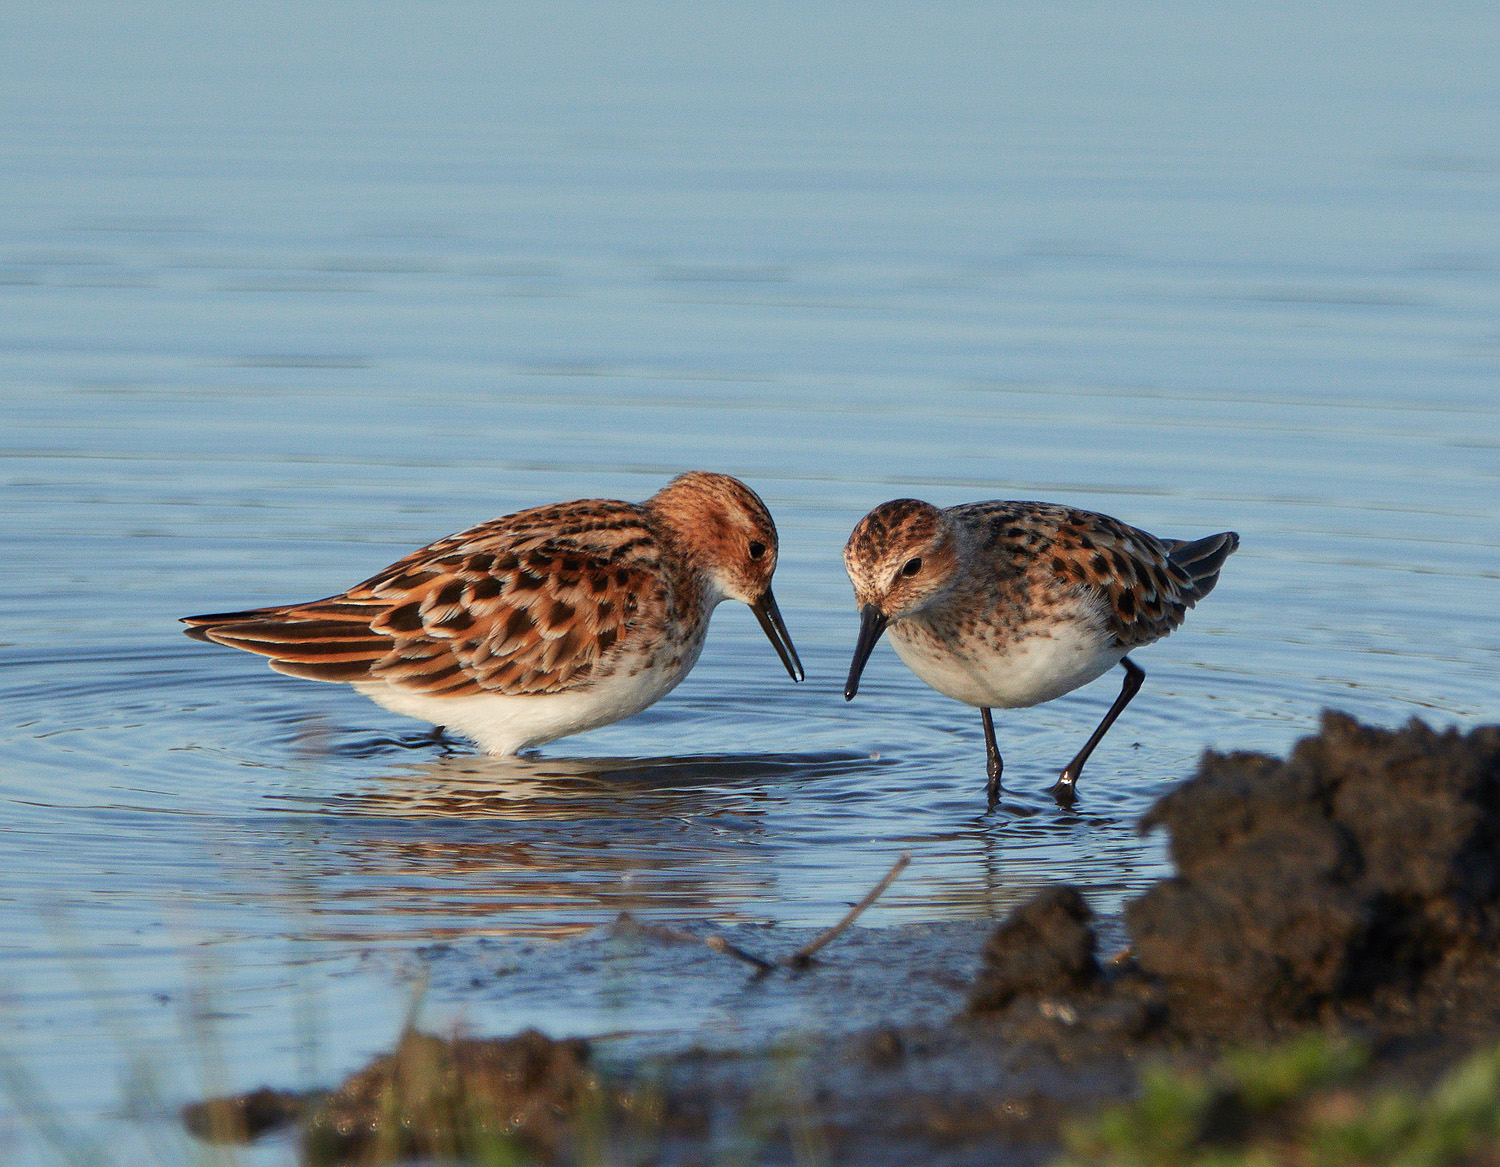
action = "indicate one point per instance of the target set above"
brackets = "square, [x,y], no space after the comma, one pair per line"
[538,624]
[1008,604]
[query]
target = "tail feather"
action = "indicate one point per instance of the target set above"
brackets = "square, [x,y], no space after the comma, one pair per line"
[209,618]
[346,671]
[294,632]
[1202,558]
[330,609]
[325,641]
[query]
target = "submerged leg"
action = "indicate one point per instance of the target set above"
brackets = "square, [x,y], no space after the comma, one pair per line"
[1134,675]
[993,765]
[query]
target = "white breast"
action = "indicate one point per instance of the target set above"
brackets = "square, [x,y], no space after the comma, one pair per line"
[1045,661]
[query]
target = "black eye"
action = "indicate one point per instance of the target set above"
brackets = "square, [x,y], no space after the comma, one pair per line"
[912,566]
[757,550]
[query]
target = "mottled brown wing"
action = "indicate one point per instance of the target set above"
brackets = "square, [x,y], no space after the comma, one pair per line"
[514,606]
[1147,594]
[540,621]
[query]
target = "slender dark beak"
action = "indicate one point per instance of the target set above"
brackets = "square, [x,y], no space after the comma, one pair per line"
[769,615]
[872,622]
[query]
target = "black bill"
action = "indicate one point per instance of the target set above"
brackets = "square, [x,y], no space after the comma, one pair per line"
[872,622]
[769,615]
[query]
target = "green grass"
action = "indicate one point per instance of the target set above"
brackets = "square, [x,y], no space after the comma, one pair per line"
[1307,1102]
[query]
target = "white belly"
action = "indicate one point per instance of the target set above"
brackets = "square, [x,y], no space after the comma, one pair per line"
[1052,660]
[503,724]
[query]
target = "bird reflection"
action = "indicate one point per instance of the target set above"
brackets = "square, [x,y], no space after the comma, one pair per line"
[556,846]
[471,786]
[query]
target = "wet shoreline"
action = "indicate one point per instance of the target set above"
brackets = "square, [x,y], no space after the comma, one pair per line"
[1350,891]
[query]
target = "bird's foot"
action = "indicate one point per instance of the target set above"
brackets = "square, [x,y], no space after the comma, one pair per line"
[440,738]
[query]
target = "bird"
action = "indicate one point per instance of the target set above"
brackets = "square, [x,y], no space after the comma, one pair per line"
[539,624]
[1004,605]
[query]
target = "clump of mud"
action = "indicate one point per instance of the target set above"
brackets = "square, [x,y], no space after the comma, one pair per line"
[1368,860]
[1363,868]
[506,1099]
[1044,947]
[460,1096]
[243,1117]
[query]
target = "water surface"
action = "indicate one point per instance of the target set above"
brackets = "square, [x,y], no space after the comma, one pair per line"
[284,295]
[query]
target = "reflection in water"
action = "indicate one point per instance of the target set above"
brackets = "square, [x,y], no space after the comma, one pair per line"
[531,787]
[555,846]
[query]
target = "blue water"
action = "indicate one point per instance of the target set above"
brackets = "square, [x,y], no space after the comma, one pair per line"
[287,293]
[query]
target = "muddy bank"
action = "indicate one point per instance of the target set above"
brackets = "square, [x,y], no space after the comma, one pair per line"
[519,1098]
[1352,888]
[1358,879]
[1364,870]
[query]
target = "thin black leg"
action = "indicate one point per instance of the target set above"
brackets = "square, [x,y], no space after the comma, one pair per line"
[993,764]
[1134,675]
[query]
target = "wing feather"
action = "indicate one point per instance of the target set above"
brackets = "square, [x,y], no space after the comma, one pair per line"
[1147,584]
[532,603]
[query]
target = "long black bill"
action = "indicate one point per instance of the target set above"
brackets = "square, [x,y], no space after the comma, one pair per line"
[769,615]
[872,622]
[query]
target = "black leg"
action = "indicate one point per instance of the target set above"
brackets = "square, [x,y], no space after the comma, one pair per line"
[1134,675]
[993,764]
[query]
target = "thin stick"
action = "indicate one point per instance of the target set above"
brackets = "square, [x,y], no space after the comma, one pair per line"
[716,943]
[799,959]
[719,944]
[803,956]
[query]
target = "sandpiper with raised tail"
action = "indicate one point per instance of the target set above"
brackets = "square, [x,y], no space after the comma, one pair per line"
[1003,605]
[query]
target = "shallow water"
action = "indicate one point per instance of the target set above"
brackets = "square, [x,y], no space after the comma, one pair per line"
[283,296]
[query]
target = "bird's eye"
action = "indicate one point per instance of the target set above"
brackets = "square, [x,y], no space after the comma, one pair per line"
[912,566]
[757,550]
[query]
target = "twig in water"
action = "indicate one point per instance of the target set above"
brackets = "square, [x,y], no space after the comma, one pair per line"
[717,943]
[803,956]
[799,959]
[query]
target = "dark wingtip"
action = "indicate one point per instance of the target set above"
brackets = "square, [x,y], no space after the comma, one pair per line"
[1202,559]
[200,627]
[225,617]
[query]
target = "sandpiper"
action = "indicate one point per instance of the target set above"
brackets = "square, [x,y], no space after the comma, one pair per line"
[1002,605]
[540,624]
